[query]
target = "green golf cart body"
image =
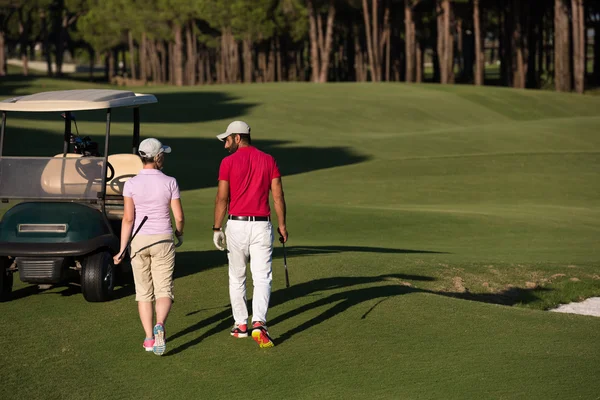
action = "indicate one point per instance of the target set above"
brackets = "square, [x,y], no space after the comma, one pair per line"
[66,223]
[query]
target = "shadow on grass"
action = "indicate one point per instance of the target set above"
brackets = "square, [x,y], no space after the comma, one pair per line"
[348,293]
[11,84]
[186,263]
[194,161]
[224,318]
[298,251]
[341,301]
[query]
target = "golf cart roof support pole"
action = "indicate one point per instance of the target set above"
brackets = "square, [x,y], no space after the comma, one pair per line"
[104,169]
[2,132]
[106,140]
[67,133]
[136,129]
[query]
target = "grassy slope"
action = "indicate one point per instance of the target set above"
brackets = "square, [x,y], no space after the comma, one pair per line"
[404,201]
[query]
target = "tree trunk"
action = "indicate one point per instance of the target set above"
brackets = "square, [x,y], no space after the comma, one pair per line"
[441,51]
[111,65]
[23,42]
[371,40]
[562,67]
[326,50]
[154,60]
[234,59]
[578,44]
[162,50]
[540,49]
[131,55]
[60,44]
[314,45]
[460,47]
[271,62]
[219,66]
[388,52]
[597,53]
[2,55]
[533,33]
[144,58]
[248,63]
[200,65]
[207,68]
[549,43]
[45,42]
[151,57]
[445,41]
[190,41]
[171,62]
[177,55]
[479,52]
[419,63]
[278,62]
[375,37]
[92,55]
[506,45]
[519,71]
[359,62]
[409,41]
[124,58]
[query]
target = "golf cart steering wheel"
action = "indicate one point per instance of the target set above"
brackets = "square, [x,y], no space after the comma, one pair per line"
[110,172]
[84,170]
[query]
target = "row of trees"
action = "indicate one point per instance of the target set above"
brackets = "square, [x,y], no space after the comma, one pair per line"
[189,42]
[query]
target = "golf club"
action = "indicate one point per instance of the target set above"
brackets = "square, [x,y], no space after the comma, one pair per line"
[135,233]
[287,278]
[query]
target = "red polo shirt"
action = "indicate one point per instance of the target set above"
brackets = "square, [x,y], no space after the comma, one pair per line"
[249,172]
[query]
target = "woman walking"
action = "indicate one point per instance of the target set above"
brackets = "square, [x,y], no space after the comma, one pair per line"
[151,194]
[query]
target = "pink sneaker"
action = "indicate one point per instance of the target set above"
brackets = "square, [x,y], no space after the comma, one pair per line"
[149,344]
[239,331]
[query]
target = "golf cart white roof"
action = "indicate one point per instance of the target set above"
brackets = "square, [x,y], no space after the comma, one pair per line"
[76,100]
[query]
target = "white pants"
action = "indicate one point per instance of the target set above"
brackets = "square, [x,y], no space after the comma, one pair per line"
[254,240]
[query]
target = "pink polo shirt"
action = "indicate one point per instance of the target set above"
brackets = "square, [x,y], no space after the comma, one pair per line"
[152,192]
[249,172]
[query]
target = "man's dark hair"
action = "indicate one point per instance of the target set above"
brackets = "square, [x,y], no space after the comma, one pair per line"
[245,138]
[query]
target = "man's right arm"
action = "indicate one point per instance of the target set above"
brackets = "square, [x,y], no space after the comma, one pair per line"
[280,208]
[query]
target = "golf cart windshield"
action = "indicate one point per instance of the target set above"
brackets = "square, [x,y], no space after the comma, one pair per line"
[71,176]
[51,178]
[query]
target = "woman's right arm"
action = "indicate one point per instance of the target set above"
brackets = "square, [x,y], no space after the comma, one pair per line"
[126,226]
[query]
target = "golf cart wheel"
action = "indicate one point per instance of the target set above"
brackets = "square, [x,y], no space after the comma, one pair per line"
[97,277]
[6,279]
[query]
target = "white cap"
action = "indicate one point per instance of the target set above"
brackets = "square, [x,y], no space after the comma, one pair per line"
[239,127]
[152,147]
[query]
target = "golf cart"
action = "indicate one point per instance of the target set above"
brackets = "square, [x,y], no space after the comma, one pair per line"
[66,223]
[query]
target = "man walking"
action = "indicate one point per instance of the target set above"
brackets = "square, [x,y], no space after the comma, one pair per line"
[245,178]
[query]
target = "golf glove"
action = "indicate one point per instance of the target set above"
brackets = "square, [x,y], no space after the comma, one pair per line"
[219,240]
[179,240]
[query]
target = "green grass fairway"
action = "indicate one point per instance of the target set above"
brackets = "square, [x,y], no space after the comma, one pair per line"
[431,227]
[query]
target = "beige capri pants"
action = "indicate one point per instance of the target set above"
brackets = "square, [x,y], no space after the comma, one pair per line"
[153,263]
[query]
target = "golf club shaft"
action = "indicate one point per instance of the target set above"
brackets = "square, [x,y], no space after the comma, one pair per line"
[287,278]
[135,233]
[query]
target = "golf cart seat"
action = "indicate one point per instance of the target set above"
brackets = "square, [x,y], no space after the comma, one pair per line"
[62,177]
[126,166]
